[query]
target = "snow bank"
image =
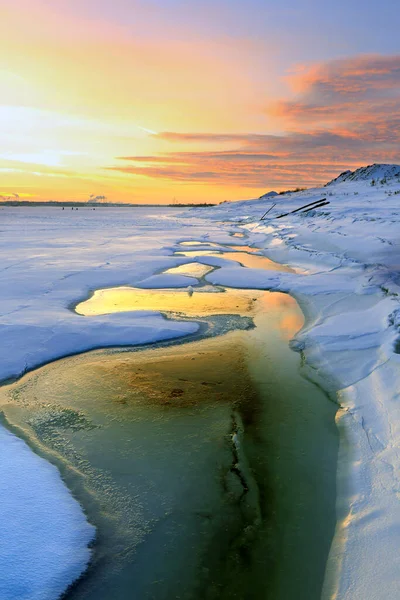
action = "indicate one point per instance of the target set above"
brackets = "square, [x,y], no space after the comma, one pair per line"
[373,173]
[351,298]
[50,260]
[166,280]
[44,534]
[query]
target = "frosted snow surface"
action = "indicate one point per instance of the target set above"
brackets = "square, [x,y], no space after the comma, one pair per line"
[351,298]
[50,260]
[347,258]
[44,534]
[373,174]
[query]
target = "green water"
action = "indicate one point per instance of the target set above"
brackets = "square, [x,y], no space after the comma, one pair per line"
[208,468]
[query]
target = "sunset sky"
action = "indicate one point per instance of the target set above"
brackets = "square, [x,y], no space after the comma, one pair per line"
[146,101]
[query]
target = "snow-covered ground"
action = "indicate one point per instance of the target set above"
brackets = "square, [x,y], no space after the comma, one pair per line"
[351,250]
[51,259]
[347,259]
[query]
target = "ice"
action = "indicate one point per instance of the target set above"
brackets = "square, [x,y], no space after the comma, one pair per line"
[50,260]
[245,278]
[193,269]
[351,252]
[168,280]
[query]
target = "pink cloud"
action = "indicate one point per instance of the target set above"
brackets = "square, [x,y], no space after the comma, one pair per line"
[366,88]
[346,113]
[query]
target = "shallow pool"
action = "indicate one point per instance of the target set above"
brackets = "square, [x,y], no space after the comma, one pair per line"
[208,468]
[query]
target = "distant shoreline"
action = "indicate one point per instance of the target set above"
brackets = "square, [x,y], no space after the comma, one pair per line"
[97,204]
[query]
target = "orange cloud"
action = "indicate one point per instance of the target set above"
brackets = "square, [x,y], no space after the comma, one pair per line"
[87,89]
[346,113]
[81,89]
[351,93]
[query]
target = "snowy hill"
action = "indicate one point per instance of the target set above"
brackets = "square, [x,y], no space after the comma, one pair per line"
[268,195]
[347,253]
[375,172]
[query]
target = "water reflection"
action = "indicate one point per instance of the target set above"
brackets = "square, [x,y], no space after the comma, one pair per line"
[202,302]
[245,257]
[244,249]
[204,466]
[194,269]
[288,324]
[194,243]
[196,253]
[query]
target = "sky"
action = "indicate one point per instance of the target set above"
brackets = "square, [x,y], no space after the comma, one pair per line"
[160,101]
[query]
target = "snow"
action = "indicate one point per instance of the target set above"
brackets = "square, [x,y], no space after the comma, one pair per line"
[347,258]
[349,251]
[166,280]
[44,534]
[269,195]
[51,260]
[374,172]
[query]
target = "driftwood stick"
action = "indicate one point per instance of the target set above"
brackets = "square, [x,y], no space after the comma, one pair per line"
[302,207]
[317,206]
[270,208]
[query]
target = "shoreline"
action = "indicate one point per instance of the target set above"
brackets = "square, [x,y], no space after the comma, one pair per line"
[350,341]
[358,459]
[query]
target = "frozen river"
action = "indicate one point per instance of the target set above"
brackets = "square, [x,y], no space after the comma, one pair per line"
[203,465]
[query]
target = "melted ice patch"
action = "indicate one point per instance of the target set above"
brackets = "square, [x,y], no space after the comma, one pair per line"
[191,269]
[202,302]
[194,243]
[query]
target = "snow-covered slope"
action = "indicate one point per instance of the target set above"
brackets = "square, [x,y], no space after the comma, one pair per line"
[49,260]
[373,173]
[351,297]
[268,195]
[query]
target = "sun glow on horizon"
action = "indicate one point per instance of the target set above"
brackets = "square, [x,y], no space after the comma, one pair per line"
[144,107]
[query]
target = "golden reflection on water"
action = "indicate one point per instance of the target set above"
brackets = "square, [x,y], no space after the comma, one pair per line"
[290,325]
[245,249]
[284,312]
[197,253]
[245,256]
[200,303]
[261,305]
[198,244]
[254,261]
[194,269]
